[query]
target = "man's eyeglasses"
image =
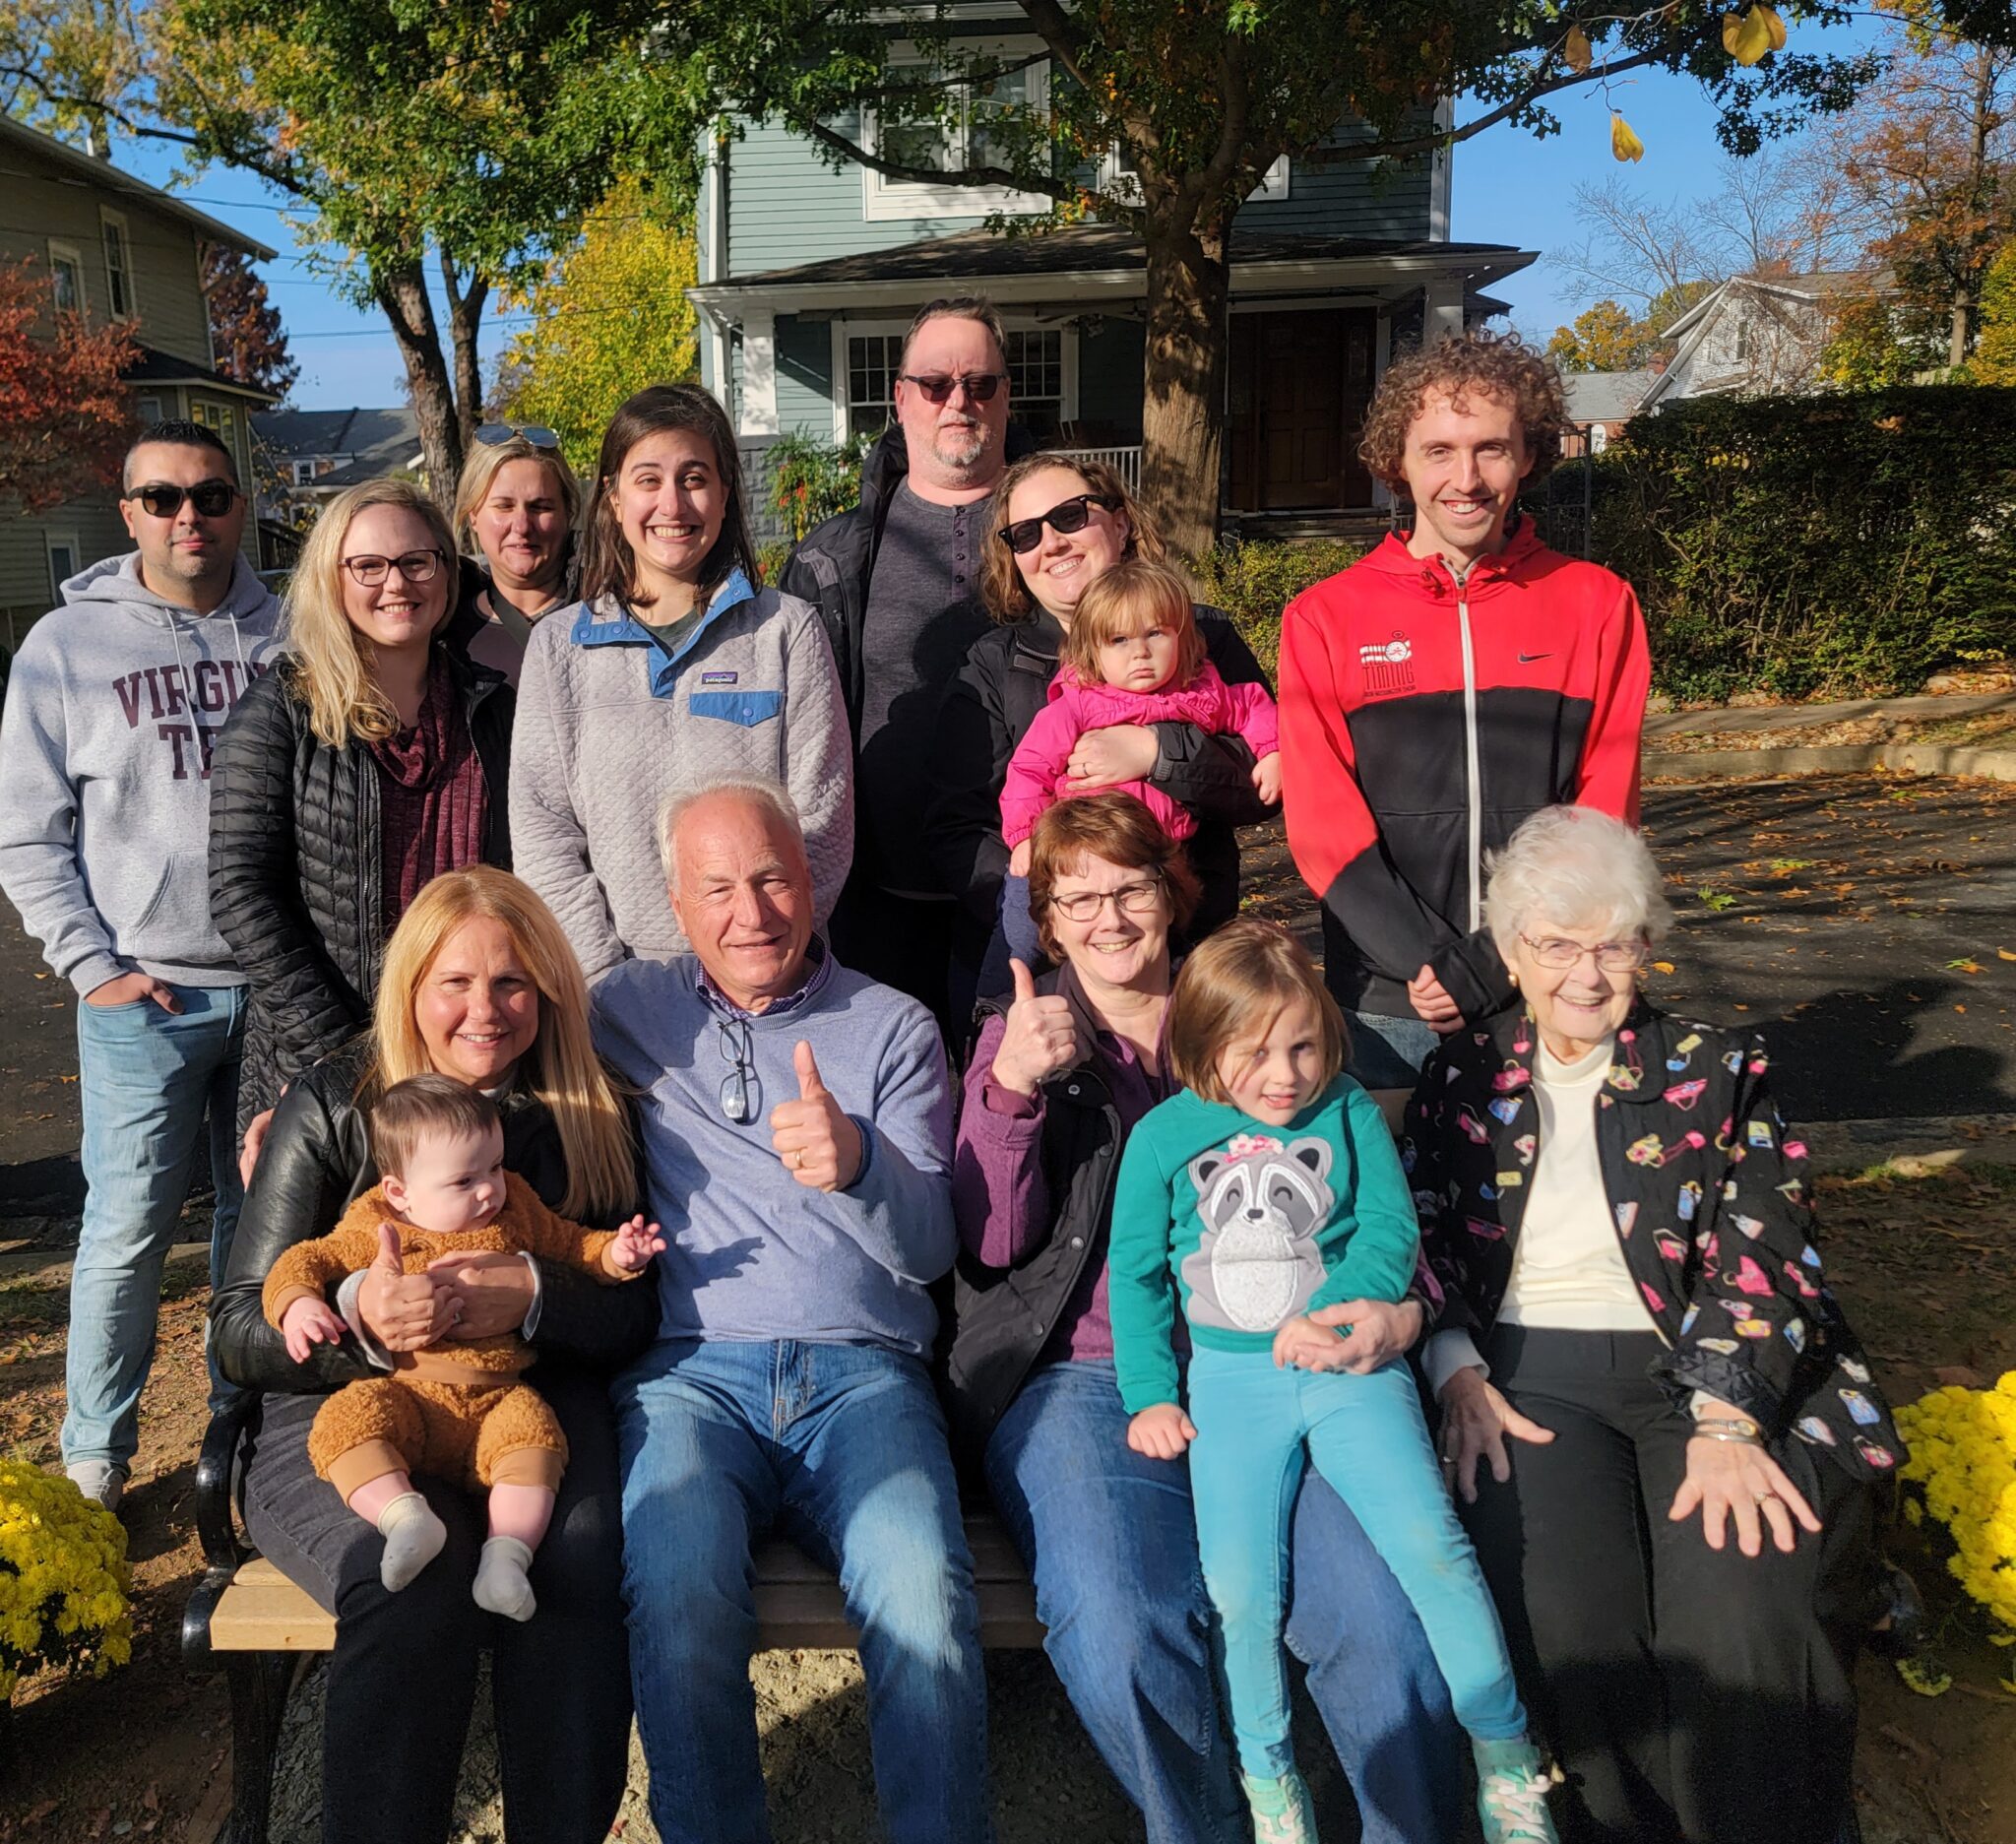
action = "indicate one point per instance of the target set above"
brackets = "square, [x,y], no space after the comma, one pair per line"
[741,1092]
[979,386]
[210,498]
[496,434]
[1614,957]
[1065,517]
[417,566]
[1131,899]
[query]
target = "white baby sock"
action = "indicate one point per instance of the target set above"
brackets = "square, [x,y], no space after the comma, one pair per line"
[414,1537]
[501,1586]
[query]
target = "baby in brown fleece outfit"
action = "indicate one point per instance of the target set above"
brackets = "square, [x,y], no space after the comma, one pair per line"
[451,1408]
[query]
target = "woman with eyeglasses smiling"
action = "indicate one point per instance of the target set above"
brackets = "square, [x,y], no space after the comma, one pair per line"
[1057,523]
[372,760]
[1064,1068]
[1660,1430]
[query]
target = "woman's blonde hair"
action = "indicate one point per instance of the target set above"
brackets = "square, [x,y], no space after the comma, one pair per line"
[561,1068]
[1134,596]
[331,666]
[1003,593]
[1236,985]
[481,470]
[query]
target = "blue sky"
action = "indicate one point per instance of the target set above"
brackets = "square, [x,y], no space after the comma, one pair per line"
[1508,188]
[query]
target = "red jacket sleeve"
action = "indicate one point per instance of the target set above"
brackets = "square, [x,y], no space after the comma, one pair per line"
[1609,770]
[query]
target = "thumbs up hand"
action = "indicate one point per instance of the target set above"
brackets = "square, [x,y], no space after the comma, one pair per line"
[404,1311]
[1041,1037]
[819,1145]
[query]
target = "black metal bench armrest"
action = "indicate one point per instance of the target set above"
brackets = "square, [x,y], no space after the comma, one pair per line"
[215,1510]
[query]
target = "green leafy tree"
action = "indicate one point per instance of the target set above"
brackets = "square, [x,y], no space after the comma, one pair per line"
[1995,354]
[608,316]
[1201,97]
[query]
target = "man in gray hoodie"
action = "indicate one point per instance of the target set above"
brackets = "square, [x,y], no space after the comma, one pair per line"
[116,700]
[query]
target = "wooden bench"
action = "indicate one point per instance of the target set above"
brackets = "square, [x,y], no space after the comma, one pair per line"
[251,1622]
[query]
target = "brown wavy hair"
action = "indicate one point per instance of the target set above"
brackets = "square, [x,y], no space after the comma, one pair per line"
[1499,367]
[1118,828]
[1238,982]
[1003,593]
[1135,594]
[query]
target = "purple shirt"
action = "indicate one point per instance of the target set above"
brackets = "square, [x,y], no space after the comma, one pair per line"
[1000,1197]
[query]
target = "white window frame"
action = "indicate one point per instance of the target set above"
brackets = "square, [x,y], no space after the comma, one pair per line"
[53,541]
[1117,183]
[884,200]
[65,253]
[147,408]
[845,330]
[112,234]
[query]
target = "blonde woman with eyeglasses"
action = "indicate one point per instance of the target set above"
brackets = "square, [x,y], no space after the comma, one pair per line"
[370,761]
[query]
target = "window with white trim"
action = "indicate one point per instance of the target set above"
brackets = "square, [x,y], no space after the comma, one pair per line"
[970,136]
[1120,175]
[120,303]
[1036,381]
[872,362]
[148,408]
[61,549]
[66,267]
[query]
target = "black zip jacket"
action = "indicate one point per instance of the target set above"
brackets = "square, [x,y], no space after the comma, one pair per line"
[317,1163]
[295,868]
[995,697]
[1713,1213]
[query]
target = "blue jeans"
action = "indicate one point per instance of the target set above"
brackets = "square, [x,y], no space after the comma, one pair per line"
[1111,1539]
[841,1448]
[1015,938]
[1366,1436]
[1388,1052]
[147,1080]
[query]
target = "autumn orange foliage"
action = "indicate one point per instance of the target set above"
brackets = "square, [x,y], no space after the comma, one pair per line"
[65,417]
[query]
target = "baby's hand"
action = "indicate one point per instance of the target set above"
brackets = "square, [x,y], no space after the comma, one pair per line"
[1307,1346]
[1161,1432]
[1018,860]
[1267,777]
[309,1322]
[633,1248]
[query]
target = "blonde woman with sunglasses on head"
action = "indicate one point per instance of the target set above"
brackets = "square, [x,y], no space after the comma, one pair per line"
[517,509]
[371,761]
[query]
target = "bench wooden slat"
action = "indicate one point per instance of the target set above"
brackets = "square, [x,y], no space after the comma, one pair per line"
[798,1603]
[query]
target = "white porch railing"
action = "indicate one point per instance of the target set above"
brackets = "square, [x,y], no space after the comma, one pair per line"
[1125,462]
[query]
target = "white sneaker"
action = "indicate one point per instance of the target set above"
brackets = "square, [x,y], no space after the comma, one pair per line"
[99,1481]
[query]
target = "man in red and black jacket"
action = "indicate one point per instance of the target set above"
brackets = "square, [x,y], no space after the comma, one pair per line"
[1441,689]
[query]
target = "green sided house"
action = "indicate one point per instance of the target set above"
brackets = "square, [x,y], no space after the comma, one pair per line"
[119,249]
[808,277]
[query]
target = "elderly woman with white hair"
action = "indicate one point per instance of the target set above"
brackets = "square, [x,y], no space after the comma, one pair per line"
[1635,1336]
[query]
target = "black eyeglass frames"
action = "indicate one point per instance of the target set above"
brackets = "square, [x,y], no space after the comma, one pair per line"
[1066,516]
[741,1092]
[210,498]
[417,566]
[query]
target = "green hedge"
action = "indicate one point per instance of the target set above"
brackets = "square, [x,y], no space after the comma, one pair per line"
[1253,582]
[1813,545]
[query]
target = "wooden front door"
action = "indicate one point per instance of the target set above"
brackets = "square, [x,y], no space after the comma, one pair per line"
[1300,385]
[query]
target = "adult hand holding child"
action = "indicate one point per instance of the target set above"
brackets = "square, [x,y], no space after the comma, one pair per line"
[405,1311]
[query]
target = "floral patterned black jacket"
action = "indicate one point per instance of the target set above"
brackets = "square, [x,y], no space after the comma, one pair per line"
[1712,1208]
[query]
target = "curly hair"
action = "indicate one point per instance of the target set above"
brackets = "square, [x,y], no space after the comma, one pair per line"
[1500,366]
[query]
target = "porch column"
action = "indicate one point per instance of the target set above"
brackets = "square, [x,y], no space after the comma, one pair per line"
[1442,310]
[759,374]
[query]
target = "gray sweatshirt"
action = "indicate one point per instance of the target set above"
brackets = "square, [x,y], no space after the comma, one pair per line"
[113,706]
[609,723]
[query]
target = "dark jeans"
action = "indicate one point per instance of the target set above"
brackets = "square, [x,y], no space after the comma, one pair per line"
[402,1680]
[1110,1539]
[1691,1695]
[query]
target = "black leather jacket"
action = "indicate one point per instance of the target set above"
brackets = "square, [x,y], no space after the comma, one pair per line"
[316,1163]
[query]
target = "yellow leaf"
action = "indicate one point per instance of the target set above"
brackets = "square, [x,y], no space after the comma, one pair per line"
[2001,954]
[1575,52]
[1661,967]
[1625,145]
[1772,24]
[1745,37]
[1924,1677]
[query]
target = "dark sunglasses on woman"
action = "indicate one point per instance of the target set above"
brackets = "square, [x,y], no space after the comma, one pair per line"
[496,434]
[210,498]
[1065,517]
[937,386]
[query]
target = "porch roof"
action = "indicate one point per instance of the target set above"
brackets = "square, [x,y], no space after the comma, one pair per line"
[1103,263]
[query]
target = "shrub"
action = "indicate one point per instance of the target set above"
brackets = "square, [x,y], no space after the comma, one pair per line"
[811,481]
[62,1578]
[1841,543]
[1963,1461]
[1253,582]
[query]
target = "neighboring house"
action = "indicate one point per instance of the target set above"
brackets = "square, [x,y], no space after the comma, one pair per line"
[119,249]
[1754,336]
[1600,403]
[309,456]
[809,275]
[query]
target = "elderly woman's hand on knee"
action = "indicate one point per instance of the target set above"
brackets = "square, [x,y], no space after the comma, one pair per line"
[1731,1474]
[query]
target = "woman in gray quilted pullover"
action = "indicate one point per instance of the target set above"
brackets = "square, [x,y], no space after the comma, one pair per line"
[674,667]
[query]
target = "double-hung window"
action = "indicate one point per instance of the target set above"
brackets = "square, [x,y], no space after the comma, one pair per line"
[975,130]
[118,267]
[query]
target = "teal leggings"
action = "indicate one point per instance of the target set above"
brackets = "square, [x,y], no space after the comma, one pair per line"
[1366,1437]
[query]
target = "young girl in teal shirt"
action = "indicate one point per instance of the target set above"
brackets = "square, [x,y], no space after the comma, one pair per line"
[1267,1189]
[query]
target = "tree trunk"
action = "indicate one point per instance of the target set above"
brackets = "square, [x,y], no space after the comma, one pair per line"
[1960,318]
[1183,386]
[403,292]
[464,317]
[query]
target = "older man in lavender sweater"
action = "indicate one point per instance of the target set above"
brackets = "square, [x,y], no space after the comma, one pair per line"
[796,1123]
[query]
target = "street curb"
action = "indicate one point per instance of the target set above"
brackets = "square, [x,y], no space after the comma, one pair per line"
[1906,758]
[1916,1147]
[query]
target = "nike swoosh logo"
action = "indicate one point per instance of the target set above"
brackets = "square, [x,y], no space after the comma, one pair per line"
[1527,658]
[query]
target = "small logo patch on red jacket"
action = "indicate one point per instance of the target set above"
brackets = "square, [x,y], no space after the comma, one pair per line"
[1388,668]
